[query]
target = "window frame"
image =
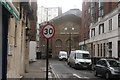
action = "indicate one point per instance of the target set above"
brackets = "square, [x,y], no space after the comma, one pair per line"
[110,24]
[101,28]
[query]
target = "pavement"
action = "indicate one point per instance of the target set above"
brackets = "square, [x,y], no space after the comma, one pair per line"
[37,69]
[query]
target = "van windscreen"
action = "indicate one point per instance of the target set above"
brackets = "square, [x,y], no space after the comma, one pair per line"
[82,56]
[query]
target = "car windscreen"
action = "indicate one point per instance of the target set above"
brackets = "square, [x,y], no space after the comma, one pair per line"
[114,63]
[63,54]
[82,56]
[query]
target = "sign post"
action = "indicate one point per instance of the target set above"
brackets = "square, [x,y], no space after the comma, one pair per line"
[48,32]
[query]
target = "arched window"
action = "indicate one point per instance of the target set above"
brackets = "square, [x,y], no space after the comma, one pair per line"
[69,43]
[58,43]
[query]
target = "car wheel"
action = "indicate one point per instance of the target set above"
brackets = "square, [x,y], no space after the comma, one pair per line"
[107,76]
[95,73]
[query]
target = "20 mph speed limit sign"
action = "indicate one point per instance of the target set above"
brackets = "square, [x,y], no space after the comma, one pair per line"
[48,31]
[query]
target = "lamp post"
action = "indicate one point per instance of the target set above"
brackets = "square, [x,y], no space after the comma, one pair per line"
[70,33]
[84,43]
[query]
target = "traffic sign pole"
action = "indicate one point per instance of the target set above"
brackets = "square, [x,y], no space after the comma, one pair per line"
[47,59]
[48,32]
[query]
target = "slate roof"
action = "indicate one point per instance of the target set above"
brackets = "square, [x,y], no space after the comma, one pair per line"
[73,15]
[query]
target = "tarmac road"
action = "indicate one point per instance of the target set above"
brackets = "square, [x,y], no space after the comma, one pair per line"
[63,71]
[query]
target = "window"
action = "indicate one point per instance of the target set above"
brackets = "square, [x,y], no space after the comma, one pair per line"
[118,48]
[15,39]
[101,50]
[102,62]
[110,24]
[110,45]
[104,50]
[85,13]
[94,50]
[89,22]
[101,13]
[101,28]
[119,20]
[93,18]
[85,3]
[113,63]
[88,10]
[101,4]
[93,32]
[93,4]
[99,62]
[92,11]
[110,49]
[85,25]
[98,49]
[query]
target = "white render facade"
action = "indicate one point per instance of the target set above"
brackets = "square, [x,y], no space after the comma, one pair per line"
[105,36]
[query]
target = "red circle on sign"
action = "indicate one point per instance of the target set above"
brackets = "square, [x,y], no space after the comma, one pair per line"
[50,25]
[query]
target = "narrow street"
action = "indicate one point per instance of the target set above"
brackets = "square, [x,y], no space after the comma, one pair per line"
[36,34]
[62,70]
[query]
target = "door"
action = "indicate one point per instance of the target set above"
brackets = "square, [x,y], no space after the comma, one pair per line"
[101,67]
[0,42]
[5,15]
[119,49]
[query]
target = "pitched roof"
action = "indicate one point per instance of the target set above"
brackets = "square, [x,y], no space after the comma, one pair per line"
[73,15]
[75,12]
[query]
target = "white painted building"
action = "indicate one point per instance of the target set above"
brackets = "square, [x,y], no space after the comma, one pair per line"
[105,36]
[48,13]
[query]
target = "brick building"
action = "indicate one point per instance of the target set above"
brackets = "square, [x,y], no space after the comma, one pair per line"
[67,28]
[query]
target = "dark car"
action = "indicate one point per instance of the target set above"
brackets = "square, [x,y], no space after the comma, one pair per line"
[109,68]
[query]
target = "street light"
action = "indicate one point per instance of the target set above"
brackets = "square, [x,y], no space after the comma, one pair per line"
[84,43]
[70,33]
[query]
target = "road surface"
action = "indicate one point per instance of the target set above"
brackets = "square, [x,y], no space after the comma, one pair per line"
[62,70]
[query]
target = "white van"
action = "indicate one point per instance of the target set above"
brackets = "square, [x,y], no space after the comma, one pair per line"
[62,55]
[79,59]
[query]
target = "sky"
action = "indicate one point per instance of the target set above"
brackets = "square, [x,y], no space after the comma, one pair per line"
[65,4]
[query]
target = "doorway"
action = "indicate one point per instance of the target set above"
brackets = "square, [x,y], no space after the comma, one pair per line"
[118,49]
[5,16]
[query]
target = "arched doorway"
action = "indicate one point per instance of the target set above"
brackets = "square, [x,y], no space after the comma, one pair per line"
[58,46]
[69,45]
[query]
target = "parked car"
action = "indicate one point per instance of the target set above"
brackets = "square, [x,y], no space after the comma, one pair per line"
[109,68]
[62,55]
[79,59]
